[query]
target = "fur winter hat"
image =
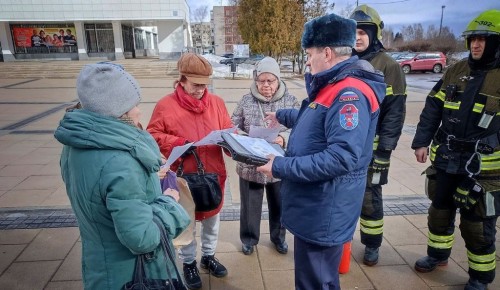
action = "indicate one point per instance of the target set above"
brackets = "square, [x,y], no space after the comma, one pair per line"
[195,68]
[329,30]
[107,89]
[267,65]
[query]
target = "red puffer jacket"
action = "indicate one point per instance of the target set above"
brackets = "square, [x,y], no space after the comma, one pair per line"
[178,118]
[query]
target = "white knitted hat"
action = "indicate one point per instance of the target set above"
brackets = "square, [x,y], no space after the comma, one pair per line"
[267,65]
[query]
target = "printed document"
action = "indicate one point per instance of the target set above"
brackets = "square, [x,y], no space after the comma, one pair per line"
[256,146]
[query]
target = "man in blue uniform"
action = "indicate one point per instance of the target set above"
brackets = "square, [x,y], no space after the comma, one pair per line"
[330,146]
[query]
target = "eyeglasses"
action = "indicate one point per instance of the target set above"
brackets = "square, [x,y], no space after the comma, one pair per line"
[263,82]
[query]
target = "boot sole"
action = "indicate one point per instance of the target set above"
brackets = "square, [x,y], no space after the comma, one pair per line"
[193,287]
[370,263]
[427,270]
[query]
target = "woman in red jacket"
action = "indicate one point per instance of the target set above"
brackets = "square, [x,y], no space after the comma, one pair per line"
[187,115]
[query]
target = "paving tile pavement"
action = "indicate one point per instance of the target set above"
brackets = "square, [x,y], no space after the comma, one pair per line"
[40,246]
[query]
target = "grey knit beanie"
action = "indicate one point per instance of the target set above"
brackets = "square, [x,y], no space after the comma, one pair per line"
[267,65]
[107,89]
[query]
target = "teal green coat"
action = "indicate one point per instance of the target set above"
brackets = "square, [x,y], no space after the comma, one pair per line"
[110,171]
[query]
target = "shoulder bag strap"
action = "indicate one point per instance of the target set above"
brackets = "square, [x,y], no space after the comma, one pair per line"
[200,166]
[167,249]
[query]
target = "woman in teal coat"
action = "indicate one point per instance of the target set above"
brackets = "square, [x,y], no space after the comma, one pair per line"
[109,165]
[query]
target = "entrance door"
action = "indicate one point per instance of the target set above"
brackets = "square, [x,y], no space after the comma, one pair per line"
[128,41]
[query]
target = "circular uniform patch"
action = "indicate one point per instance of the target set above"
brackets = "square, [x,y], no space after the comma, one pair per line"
[349,117]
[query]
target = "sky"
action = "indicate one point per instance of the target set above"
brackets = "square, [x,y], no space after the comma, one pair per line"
[397,13]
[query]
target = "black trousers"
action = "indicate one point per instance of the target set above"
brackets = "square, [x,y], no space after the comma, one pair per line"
[372,211]
[252,195]
[477,232]
[316,267]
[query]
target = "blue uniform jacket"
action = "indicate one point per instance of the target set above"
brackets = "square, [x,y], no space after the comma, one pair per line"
[324,171]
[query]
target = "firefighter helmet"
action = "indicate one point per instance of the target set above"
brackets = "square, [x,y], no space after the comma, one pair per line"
[487,23]
[364,14]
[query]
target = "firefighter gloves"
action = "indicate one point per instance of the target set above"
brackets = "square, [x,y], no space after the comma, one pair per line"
[380,165]
[467,194]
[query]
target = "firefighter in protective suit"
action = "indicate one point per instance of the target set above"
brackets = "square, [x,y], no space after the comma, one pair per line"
[389,127]
[462,119]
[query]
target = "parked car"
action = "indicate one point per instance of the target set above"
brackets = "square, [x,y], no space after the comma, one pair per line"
[397,55]
[254,59]
[228,55]
[423,61]
[237,60]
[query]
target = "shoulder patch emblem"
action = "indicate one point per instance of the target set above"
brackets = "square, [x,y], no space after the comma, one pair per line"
[349,117]
[348,96]
[313,106]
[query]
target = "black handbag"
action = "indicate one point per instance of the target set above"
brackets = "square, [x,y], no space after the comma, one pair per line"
[204,187]
[140,280]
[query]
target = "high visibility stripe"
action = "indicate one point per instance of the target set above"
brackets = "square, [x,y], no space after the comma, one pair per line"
[440,242]
[487,167]
[375,142]
[482,263]
[434,148]
[440,95]
[452,105]
[490,161]
[388,91]
[478,108]
[372,227]
[491,157]
[381,162]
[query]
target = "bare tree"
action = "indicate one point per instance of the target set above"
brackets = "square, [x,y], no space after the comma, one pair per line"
[315,8]
[200,14]
[388,38]
[432,32]
[347,10]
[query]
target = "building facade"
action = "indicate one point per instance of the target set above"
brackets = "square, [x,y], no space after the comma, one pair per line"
[82,29]
[202,37]
[225,28]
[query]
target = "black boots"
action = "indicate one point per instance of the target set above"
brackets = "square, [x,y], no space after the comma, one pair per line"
[474,284]
[192,276]
[213,266]
[371,256]
[281,248]
[246,249]
[428,264]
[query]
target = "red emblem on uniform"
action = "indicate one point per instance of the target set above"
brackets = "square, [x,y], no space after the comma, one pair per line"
[349,117]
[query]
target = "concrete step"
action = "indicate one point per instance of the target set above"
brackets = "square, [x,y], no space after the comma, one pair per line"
[139,68]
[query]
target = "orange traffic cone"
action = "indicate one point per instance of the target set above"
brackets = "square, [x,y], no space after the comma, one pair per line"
[345,261]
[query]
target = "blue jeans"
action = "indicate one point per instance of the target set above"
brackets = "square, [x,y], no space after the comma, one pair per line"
[209,236]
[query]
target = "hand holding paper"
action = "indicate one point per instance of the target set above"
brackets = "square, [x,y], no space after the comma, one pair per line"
[176,153]
[268,134]
[214,137]
[271,120]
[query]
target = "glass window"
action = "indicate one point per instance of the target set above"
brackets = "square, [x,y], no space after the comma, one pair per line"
[99,37]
